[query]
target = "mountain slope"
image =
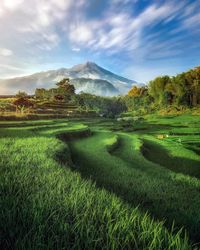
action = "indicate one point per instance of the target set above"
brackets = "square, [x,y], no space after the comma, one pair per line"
[94,86]
[86,74]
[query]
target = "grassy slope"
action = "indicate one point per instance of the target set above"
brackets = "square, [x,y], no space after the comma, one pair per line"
[127,173]
[166,194]
[46,205]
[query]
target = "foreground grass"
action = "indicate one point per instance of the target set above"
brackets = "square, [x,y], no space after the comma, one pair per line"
[45,205]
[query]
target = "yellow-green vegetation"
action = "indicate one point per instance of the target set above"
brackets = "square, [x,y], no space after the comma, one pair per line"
[166,94]
[100,184]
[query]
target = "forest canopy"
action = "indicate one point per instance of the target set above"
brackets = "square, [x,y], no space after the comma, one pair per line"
[182,90]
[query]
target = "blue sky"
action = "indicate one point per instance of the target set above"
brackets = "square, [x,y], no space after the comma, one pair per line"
[138,39]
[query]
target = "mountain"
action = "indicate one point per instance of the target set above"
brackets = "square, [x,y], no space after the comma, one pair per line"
[87,77]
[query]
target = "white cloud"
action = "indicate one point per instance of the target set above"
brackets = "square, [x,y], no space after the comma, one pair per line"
[118,31]
[10,67]
[121,31]
[81,33]
[35,28]
[192,21]
[76,49]
[1,11]
[33,24]
[5,52]
[12,4]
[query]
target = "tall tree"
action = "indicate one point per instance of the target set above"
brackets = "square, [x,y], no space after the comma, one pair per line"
[65,89]
[157,89]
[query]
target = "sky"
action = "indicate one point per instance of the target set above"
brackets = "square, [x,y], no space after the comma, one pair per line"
[138,39]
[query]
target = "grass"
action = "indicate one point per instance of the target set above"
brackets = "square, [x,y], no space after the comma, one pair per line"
[128,174]
[99,191]
[173,155]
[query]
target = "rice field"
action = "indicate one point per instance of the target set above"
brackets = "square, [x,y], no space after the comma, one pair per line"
[100,184]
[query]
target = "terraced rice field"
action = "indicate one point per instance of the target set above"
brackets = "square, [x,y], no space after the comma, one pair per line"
[96,183]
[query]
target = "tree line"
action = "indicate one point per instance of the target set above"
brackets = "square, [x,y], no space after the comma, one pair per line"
[164,91]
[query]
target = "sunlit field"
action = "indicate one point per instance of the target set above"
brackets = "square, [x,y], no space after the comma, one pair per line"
[100,183]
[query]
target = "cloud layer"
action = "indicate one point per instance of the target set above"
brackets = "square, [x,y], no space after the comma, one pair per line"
[38,32]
